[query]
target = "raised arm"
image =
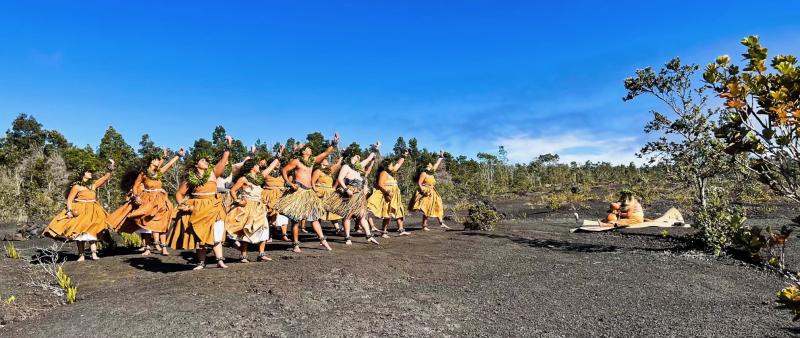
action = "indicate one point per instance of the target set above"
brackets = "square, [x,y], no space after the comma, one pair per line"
[285,172]
[219,168]
[320,157]
[369,159]
[172,161]
[336,166]
[398,164]
[438,161]
[71,196]
[104,179]
[368,169]
[421,179]
[271,167]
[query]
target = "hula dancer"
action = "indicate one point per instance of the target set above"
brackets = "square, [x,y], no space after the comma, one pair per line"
[351,199]
[427,199]
[274,188]
[199,222]
[302,204]
[84,218]
[148,209]
[323,185]
[386,201]
[247,219]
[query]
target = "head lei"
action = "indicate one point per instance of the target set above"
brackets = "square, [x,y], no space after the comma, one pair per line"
[192,177]
[627,193]
[82,170]
[154,154]
[244,171]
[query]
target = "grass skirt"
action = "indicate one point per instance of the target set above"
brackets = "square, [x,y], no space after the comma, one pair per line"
[302,204]
[355,205]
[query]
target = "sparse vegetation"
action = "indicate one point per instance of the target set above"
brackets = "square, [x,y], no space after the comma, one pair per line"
[11,250]
[482,216]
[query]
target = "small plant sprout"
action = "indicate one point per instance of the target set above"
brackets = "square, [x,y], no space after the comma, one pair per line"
[664,233]
[11,250]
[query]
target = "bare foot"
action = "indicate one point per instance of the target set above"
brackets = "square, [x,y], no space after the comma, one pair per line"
[244,259]
[164,251]
[426,229]
[146,252]
[199,267]
[81,258]
[269,240]
[358,231]
[404,233]
[385,235]
[444,226]
[348,242]
[326,245]
[94,256]
[373,241]
[285,238]
[303,230]
[297,250]
[264,258]
[221,265]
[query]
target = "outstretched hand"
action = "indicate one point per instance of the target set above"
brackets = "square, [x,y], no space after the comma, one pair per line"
[228,140]
[335,138]
[181,152]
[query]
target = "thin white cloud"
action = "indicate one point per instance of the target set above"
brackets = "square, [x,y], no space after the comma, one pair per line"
[573,146]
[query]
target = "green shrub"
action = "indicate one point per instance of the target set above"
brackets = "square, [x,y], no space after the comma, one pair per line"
[131,240]
[482,216]
[11,250]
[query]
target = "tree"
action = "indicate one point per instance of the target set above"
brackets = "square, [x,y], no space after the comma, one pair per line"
[686,138]
[146,145]
[400,147]
[113,146]
[762,109]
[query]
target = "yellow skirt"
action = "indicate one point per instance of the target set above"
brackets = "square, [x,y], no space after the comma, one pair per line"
[89,221]
[383,208]
[429,202]
[199,227]
[242,223]
[154,214]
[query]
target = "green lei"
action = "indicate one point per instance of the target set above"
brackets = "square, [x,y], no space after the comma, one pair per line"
[156,177]
[196,181]
[256,179]
[359,168]
[308,163]
[87,184]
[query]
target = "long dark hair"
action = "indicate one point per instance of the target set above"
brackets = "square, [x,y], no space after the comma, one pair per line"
[244,170]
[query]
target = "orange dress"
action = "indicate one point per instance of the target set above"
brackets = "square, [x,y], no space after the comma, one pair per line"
[86,225]
[428,199]
[203,225]
[636,216]
[152,215]
[382,208]
[274,188]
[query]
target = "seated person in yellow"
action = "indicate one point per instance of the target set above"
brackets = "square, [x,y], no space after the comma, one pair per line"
[627,211]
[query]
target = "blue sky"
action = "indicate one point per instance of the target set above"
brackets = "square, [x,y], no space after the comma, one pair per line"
[465,76]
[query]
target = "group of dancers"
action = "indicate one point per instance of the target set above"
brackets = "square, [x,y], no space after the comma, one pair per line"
[258,194]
